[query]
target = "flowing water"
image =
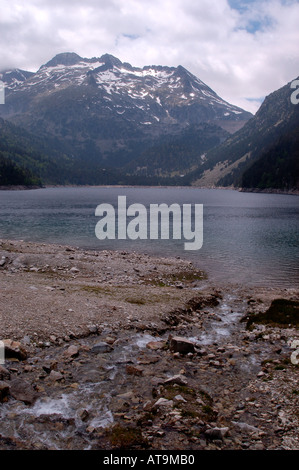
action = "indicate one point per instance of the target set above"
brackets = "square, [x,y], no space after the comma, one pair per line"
[249,240]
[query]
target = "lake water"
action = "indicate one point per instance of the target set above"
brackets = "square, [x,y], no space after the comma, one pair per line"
[248,238]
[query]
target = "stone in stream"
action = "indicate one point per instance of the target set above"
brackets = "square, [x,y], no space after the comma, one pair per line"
[181,345]
[155,345]
[101,347]
[4,390]
[22,391]
[72,351]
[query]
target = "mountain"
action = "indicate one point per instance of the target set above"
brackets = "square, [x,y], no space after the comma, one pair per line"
[107,113]
[13,78]
[263,154]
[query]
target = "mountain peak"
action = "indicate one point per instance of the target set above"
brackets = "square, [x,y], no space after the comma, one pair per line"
[65,58]
[110,61]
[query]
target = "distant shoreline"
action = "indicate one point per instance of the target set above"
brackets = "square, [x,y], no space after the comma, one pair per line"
[294,192]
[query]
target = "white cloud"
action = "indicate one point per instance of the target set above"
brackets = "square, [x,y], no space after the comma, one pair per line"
[243,52]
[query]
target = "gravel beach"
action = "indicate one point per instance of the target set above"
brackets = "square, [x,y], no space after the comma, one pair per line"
[142,352]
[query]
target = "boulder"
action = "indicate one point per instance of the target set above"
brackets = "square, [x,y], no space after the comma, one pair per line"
[181,345]
[23,391]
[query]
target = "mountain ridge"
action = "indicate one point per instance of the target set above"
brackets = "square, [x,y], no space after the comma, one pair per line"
[272,126]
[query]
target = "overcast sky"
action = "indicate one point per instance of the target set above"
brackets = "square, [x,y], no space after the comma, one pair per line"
[242,49]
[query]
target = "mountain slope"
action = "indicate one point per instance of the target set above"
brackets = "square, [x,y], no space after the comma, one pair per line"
[277,168]
[106,112]
[275,123]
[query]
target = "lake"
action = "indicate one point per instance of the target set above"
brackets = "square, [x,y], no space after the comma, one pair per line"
[248,238]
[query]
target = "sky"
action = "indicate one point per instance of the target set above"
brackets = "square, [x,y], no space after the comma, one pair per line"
[242,49]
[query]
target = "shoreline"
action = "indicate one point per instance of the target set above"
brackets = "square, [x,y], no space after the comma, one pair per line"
[294,192]
[112,349]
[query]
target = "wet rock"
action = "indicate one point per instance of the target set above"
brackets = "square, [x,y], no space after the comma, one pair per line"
[72,351]
[181,345]
[55,376]
[93,329]
[22,391]
[4,390]
[132,370]
[2,261]
[14,349]
[83,415]
[155,345]
[101,347]
[4,373]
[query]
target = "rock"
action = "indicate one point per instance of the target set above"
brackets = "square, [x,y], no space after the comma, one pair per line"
[163,402]
[83,415]
[176,379]
[155,345]
[4,390]
[257,446]
[180,398]
[246,427]
[101,347]
[72,351]
[74,270]
[26,340]
[22,391]
[132,370]
[14,349]
[181,345]
[4,373]
[110,340]
[55,376]
[217,433]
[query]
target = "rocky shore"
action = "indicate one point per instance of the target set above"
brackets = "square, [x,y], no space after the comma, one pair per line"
[117,350]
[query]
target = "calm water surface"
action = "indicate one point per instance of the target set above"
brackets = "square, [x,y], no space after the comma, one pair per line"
[249,238]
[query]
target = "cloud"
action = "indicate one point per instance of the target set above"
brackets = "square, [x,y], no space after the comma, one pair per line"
[243,49]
